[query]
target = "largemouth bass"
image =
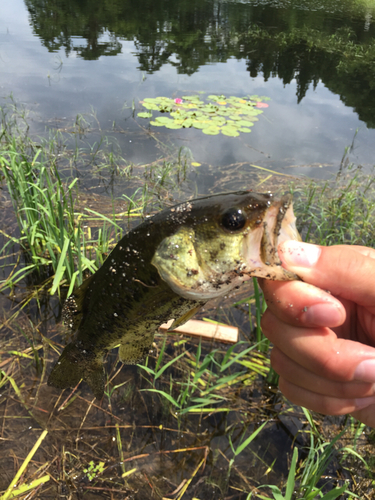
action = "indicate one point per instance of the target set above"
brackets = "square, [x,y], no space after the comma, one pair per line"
[168,268]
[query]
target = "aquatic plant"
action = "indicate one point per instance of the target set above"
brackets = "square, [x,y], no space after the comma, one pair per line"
[218,114]
[202,391]
[93,470]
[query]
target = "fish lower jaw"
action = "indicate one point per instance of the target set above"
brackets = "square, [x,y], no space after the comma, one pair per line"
[212,288]
[271,272]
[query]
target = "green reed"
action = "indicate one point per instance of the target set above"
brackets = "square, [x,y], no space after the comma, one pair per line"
[50,233]
[199,389]
[340,211]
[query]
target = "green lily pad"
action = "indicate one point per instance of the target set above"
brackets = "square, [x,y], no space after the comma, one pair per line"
[144,115]
[218,113]
[177,114]
[244,123]
[173,125]
[201,124]
[148,105]
[211,130]
[235,117]
[230,131]
[164,119]
[218,120]
[187,123]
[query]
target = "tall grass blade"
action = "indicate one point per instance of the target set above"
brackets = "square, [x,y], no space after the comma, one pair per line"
[22,469]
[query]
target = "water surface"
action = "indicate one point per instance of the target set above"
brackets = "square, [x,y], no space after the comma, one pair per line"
[64,58]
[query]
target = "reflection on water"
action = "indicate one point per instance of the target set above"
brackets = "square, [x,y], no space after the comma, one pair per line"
[113,55]
[291,42]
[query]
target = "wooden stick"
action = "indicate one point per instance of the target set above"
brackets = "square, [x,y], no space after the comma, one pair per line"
[196,328]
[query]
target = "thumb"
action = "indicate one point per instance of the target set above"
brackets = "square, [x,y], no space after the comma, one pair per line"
[345,271]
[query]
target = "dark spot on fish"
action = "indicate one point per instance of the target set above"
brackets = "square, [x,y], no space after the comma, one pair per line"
[222,246]
[213,254]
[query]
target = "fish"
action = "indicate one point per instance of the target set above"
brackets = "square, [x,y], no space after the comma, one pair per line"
[167,268]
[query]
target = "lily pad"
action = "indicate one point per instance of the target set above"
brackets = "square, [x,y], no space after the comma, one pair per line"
[163,119]
[187,123]
[230,131]
[218,113]
[244,123]
[144,115]
[173,125]
[211,130]
[148,105]
[201,125]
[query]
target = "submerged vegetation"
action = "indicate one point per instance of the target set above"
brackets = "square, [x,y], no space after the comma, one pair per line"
[205,413]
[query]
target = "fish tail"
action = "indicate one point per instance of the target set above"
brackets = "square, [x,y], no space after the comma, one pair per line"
[74,365]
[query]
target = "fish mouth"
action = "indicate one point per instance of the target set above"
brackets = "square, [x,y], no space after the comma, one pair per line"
[278,225]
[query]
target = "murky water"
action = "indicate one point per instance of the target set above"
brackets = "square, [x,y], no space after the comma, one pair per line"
[99,59]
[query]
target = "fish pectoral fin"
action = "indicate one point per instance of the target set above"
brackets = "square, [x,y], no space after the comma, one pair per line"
[184,318]
[74,365]
[95,379]
[133,352]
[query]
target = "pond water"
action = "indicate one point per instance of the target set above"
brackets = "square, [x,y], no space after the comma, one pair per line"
[313,63]
[312,59]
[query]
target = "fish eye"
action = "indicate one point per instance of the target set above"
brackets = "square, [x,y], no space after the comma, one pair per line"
[233,219]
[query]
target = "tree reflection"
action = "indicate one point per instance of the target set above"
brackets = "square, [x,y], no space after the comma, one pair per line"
[310,41]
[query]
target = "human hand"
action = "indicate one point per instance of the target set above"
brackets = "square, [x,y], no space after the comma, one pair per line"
[323,329]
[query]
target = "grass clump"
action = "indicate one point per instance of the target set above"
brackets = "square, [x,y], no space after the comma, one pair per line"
[205,385]
[51,232]
[338,212]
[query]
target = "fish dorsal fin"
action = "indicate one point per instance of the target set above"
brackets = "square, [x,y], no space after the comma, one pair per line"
[135,351]
[184,318]
[73,308]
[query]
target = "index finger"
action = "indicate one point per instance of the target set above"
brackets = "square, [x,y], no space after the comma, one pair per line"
[302,304]
[346,271]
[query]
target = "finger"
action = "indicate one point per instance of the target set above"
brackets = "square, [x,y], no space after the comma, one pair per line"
[366,415]
[320,351]
[299,303]
[322,404]
[297,374]
[344,270]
